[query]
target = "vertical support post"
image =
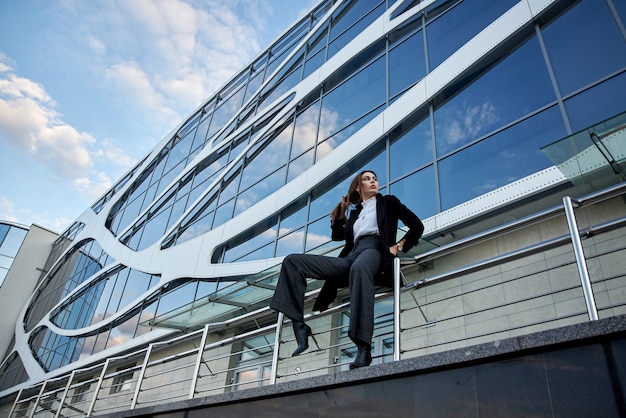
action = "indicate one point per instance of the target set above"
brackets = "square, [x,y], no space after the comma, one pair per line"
[64,396]
[592,311]
[43,388]
[98,386]
[196,370]
[276,355]
[396,309]
[142,373]
[16,402]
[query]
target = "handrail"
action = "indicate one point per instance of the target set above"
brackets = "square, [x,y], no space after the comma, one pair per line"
[400,265]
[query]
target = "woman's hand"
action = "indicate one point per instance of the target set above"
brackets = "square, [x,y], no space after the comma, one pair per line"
[343,204]
[396,248]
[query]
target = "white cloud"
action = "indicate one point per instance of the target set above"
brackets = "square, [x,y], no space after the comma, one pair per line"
[30,123]
[7,212]
[93,188]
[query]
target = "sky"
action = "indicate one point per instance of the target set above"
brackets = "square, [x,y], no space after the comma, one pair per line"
[89,87]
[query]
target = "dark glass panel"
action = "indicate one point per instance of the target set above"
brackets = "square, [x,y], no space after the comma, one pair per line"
[418,192]
[354,98]
[581,53]
[317,41]
[413,148]
[499,160]
[259,254]
[620,6]
[454,28]
[257,239]
[515,87]
[342,40]
[406,64]
[349,13]
[607,100]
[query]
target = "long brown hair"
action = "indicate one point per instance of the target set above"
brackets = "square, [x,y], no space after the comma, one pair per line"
[354,196]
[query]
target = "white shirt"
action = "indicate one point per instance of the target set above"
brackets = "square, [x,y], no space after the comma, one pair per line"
[367,223]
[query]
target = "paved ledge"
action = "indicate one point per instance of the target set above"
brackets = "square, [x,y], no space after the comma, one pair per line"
[563,337]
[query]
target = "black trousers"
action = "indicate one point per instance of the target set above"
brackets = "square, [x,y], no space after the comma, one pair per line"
[356,270]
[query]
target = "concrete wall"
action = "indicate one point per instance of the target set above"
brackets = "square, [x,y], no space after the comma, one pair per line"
[22,279]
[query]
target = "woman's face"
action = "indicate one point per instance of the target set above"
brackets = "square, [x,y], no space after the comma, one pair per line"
[368,186]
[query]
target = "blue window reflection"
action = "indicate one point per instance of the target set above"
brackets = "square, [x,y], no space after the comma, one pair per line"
[406,64]
[576,48]
[515,87]
[607,98]
[450,31]
[418,192]
[499,160]
[354,98]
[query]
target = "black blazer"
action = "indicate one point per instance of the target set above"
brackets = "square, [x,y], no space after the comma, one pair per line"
[389,210]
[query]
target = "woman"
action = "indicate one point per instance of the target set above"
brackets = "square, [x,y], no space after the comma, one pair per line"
[365,261]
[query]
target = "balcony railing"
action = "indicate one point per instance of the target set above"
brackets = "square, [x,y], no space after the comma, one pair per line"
[560,266]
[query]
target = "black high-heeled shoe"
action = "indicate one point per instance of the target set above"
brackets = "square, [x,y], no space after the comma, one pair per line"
[363,357]
[301,331]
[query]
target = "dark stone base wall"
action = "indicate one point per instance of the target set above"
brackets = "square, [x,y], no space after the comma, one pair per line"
[575,371]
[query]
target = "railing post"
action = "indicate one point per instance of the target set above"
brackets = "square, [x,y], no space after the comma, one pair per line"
[196,371]
[142,373]
[92,405]
[43,388]
[396,309]
[275,356]
[17,400]
[64,396]
[592,311]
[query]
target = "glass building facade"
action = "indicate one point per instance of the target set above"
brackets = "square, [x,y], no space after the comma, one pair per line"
[11,238]
[446,101]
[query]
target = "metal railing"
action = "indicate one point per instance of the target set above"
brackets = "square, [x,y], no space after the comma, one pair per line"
[518,288]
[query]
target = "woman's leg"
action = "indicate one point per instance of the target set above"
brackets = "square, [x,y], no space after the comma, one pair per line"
[295,270]
[362,272]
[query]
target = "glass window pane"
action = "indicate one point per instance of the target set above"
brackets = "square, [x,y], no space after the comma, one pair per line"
[500,159]
[413,150]
[607,98]
[13,241]
[259,191]
[293,221]
[450,31]
[353,99]
[577,48]
[318,232]
[305,131]
[406,64]
[418,193]
[292,243]
[342,40]
[502,95]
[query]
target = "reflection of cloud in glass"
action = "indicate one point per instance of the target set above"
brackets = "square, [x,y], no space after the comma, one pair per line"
[464,123]
[305,134]
[328,126]
[294,240]
[194,230]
